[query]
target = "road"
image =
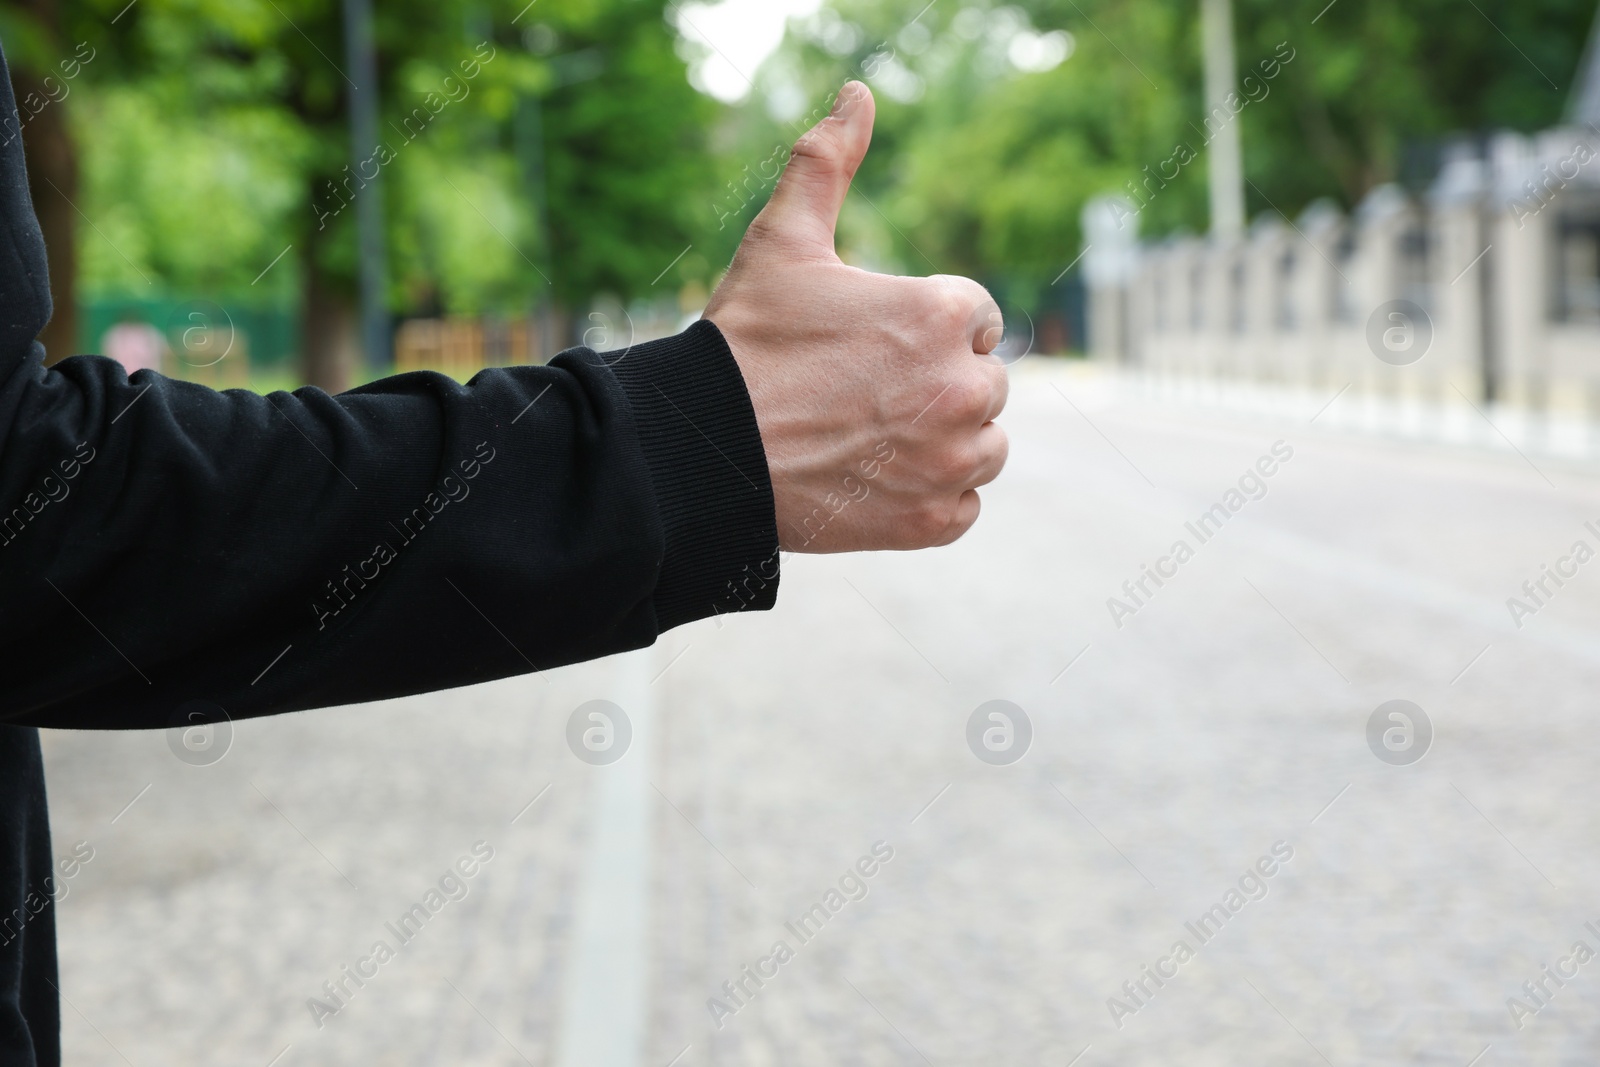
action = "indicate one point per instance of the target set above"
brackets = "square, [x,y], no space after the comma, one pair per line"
[1219,732]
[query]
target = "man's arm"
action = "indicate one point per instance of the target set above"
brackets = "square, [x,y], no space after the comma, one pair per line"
[162,544]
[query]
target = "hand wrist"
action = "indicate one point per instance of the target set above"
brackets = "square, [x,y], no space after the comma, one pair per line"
[698,432]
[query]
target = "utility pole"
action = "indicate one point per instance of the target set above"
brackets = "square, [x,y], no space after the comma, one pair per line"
[361,57]
[1222,125]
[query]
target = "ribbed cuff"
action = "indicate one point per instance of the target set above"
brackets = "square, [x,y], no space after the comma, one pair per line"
[700,439]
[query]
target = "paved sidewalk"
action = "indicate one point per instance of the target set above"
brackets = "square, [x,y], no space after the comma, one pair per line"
[1228,713]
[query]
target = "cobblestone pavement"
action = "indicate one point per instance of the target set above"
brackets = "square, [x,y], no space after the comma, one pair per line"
[1222,725]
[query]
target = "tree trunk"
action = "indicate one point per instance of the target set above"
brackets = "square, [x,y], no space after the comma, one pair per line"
[327,349]
[53,185]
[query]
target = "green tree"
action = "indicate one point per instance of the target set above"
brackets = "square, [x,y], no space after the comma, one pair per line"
[215,136]
[1370,79]
[983,167]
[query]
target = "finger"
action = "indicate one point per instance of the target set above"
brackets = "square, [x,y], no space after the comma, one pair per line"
[991,447]
[966,514]
[988,327]
[805,205]
[999,390]
[976,395]
[983,324]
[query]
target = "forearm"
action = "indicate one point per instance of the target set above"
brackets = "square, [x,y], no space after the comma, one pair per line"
[273,553]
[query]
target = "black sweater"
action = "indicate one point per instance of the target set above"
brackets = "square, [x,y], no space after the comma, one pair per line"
[165,548]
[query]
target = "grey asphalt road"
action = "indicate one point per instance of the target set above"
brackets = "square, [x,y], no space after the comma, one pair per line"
[1221,731]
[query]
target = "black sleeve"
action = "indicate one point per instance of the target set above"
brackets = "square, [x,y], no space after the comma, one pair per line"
[163,544]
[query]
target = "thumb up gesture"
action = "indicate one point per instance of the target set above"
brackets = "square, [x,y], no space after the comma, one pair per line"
[875,395]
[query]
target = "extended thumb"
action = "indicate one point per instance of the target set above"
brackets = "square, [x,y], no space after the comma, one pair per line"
[813,187]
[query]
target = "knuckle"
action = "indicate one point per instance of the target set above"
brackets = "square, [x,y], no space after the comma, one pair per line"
[930,521]
[989,328]
[976,294]
[971,293]
[761,227]
[963,287]
[1001,385]
[971,400]
[954,463]
[1000,448]
[819,144]
[989,462]
[767,240]
[962,308]
[945,308]
[954,533]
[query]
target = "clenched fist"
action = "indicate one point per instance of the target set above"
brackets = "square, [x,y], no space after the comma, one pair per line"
[875,395]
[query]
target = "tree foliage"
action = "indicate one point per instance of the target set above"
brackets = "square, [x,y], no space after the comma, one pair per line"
[981,166]
[212,133]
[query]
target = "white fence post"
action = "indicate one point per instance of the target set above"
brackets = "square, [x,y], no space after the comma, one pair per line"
[1502,255]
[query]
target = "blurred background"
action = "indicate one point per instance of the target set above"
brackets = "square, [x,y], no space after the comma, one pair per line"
[210,170]
[1311,289]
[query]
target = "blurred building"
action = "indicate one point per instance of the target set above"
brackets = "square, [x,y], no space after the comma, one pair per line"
[1486,282]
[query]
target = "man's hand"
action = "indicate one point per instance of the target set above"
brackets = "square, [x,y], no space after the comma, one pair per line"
[875,394]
